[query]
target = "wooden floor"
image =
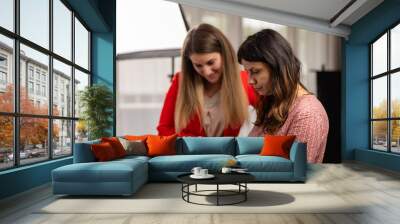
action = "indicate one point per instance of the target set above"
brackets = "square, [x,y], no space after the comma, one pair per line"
[377,188]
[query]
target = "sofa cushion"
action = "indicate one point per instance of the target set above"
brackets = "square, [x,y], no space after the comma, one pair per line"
[277,145]
[116,145]
[185,163]
[112,171]
[249,145]
[103,151]
[208,145]
[134,147]
[257,163]
[161,145]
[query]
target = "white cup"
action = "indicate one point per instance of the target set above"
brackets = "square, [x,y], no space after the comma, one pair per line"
[203,172]
[226,170]
[196,171]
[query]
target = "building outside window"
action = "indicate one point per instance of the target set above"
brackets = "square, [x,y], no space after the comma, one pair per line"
[44,77]
[3,72]
[43,90]
[30,87]
[30,72]
[38,89]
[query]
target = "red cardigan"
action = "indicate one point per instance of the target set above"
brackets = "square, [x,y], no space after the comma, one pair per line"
[166,125]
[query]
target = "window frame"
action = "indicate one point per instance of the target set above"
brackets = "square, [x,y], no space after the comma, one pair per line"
[388,74]
[16,115]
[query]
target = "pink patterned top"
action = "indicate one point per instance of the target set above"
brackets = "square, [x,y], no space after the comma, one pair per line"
[308,121]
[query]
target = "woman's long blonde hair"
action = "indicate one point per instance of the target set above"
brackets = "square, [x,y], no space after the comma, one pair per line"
[208,39]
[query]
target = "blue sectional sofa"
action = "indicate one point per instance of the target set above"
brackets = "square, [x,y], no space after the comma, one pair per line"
[125,176]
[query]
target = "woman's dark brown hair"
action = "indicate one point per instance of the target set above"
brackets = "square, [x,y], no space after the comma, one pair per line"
[269,47]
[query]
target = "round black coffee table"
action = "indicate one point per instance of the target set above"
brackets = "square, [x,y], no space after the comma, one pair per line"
[238,179]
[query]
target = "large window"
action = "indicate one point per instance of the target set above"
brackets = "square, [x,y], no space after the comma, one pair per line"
[385,92]
[44,64]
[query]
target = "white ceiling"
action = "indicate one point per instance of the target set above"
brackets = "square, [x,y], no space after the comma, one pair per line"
[320,9]
[314,15]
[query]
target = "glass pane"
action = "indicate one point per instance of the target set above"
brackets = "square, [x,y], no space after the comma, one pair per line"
[379,135]
[62,89]
[81,81]
[379,55]
[395,136]
[81,45]
[62,138]
[6,142]
[62,29]
[7,14]
[34,94]
[177,64]
[395,94]
[141,94]
[33,139]
[35,21]
[395,47]
[81,131]
[6,74]
[379,97]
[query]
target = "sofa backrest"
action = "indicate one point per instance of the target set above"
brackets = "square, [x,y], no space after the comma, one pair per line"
[249,145]
[206,145]
[83,152]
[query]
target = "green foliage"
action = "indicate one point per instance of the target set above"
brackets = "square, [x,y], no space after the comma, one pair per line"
[96,102]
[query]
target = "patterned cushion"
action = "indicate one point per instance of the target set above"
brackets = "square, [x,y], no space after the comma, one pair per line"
[134,147]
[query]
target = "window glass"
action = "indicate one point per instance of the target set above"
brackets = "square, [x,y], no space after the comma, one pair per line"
[81,45]
[395,138]
[34,21]
[395,47]
[33,140]
[379,135]
[6,74]
[379,98]
[140,97]
[62,91]
[62,138]
[81,131]
[177,64]
[62,29]
[379,56]
[7,14]
[30,58]
[6,142]
[81,81]
[395,95]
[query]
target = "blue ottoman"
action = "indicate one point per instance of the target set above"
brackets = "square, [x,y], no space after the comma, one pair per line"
[118,177]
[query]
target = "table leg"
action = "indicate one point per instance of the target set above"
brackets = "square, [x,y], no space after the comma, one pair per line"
[245,193]
[217,194]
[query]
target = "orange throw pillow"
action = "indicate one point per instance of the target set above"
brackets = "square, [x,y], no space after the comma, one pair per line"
[161,145]
[116,145]
[103,152]
[277,145]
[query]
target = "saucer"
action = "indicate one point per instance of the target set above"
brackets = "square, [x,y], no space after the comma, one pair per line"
[208,176]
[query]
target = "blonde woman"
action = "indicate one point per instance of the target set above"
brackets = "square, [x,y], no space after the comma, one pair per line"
[210,96]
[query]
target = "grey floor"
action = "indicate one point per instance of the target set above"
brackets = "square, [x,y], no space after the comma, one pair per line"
[377,188]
